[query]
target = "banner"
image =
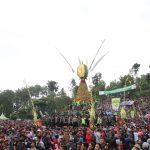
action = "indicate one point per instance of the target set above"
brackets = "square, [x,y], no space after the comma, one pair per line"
[123,113]
[132,114]
[115,103]
[127,88]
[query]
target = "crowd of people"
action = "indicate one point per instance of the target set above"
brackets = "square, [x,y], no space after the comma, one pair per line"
[72,130]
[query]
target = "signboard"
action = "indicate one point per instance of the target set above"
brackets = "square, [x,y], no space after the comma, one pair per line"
[127,88]
[115,103]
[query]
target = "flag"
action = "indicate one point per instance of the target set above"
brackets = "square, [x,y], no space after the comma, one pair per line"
[132,114]
[34,115]
[123,113]
[115,103]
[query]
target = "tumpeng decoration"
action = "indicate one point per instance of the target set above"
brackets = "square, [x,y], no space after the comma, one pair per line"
[84,94]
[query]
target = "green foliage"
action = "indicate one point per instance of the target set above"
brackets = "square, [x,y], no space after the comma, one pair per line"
[126,80]
[74,88]
[138,94]
[53,102]
[7,98]
[96,78]
[22,96]
[42,100]
[57,103]
[48,98]
[95,90]
[44,91]
[40,104]
[135,68]
[25,113]
[52,86]
[144,82]
[73,83]
[113,85]
[35,90]
[13,116]
[62,93]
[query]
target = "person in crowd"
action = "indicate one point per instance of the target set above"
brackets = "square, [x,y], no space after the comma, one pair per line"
[33,146]
[97,147]
[91,146]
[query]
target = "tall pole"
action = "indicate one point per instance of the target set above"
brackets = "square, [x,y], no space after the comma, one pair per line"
[32,104]
[125,87]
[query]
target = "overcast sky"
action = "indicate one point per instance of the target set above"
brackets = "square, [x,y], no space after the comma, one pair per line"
[31,30]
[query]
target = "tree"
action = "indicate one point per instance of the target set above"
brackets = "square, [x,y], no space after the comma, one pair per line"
[52,86]
[25,113]
[148,78]
[35,90]
[73,83]
[126,80]
[44,91]
[22,98]
[41,103]
[113,85]
[74,88]
[135,68]
[7,98]
[145,82]
[96,78]
[62,92]
[95,90]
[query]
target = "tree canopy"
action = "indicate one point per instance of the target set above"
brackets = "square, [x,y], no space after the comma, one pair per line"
[49,98]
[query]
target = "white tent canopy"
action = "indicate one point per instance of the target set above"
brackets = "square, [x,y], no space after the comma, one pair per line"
[126,103]
[2,117]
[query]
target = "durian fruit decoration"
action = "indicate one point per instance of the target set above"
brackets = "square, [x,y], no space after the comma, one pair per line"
[82,71]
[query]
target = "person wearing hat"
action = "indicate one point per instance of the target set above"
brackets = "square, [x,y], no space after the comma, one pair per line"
[145,146]
[148,141]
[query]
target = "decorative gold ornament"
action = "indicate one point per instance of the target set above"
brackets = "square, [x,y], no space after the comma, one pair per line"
[82,71]
[83,95]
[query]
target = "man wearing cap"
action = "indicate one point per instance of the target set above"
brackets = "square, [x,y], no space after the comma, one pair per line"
[145,146]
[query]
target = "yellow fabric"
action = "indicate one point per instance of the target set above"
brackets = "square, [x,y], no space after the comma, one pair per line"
[34,115]
[123,113]
[92,112]
[115,103]
[132,114]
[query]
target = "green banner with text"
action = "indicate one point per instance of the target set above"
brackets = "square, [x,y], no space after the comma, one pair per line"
[127,88]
